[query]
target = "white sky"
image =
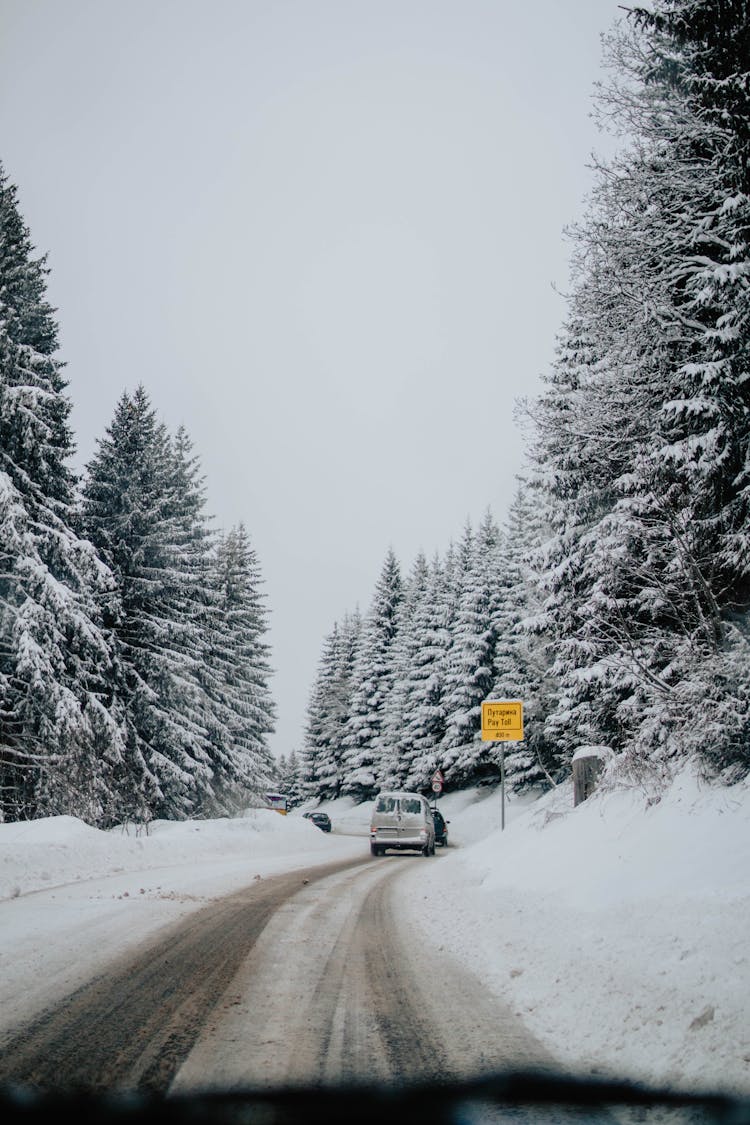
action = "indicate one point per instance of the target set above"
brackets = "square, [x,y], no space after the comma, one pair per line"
[324,235]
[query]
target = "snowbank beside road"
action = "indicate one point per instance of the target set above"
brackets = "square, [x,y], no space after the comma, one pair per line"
[620,930]
[39,854]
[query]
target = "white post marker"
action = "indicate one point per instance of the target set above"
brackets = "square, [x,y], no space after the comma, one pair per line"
[502,721]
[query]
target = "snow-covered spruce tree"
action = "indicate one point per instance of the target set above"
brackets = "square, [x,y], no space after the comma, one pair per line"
[321,761]
[455,567]
[236,679]
[584,448]
[470,662]
[392,768]
[280,775]
[372,681]
[60,726]
[522,658]
[644,428]
[425,713]
[195,597]
[328,711]
[289,778]
[134,511]
[711,422]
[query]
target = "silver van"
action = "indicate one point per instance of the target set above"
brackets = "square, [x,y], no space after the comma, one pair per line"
[402,821]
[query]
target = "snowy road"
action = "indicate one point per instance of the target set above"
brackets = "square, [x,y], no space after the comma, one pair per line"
[305,977]
[341,988]
[652,898]
[134,1023]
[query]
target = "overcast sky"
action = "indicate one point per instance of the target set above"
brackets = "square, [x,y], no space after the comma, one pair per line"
[324,234]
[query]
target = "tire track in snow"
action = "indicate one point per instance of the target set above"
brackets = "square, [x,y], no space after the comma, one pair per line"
[132,1026]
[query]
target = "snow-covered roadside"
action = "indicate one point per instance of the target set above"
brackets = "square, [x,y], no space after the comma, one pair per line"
[39,854]
[619,931]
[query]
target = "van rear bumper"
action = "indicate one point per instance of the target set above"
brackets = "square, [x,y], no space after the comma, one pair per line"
[408,843]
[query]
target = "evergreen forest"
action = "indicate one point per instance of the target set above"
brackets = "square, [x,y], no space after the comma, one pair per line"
[613,599]
[134,666]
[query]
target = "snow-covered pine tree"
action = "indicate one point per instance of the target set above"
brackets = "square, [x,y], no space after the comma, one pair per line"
[134,511]
[289,778]
[321,765]
[700,54]
[60,726]
[593,417]
[194,604]
[280,774]
[455,566]
[372,681]
[425,718]
[470,661]
[644,427]
[392,768]
[328,710]
[236,679]
[522,658]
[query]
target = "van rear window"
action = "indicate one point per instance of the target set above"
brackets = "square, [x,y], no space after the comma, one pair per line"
[411,805]
[386,804]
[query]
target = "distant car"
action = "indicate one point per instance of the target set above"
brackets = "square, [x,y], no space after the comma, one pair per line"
[321,819]
[441,829]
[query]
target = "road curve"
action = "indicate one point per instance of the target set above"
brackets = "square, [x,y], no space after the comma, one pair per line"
[311,977]
[132,1026]
[340,989]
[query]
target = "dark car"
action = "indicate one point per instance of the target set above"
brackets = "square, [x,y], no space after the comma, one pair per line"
[441,829]
[321,819]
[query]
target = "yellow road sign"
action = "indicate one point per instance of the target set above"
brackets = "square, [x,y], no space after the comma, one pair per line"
[502,720]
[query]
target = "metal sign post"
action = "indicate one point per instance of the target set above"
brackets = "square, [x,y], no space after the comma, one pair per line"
[502,721]
[502,787]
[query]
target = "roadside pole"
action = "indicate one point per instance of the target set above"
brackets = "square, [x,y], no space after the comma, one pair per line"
[502,787]
[502,721]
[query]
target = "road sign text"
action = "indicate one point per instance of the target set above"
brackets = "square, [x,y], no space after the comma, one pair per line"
[502,720]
